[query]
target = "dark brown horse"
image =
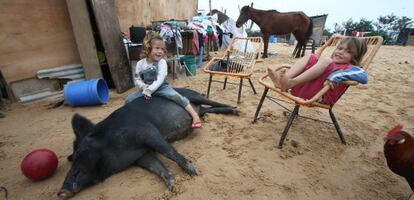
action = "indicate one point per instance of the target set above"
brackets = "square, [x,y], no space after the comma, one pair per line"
[272,22]
[220,15]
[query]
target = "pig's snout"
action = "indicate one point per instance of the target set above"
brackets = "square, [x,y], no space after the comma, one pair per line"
[65,194]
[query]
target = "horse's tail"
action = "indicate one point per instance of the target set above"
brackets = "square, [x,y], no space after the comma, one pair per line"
[310,29]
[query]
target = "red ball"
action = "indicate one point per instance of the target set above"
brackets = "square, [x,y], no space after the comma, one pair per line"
[39,164]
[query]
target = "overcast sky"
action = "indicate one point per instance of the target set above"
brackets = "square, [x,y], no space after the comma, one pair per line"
[338,11]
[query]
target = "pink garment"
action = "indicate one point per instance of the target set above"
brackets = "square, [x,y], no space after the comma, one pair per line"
[358,33]
[205,39]
[195,46]
[309,89]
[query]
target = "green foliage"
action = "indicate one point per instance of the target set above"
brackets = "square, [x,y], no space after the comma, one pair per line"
[388,26]
[402,23]
[327,32]
[251,33]
[391,26]
[363,25]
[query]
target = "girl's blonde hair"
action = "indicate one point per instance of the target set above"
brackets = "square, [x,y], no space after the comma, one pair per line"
[149,39]
[357,47]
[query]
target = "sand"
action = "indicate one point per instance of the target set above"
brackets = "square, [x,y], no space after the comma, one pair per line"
[236,159]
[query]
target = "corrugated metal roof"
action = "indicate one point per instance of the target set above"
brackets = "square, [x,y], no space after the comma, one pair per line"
[72,71]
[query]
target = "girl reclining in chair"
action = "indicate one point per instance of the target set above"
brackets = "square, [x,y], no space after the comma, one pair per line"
[309,75]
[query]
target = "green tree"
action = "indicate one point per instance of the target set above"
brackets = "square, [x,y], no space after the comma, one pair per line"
[392,26]
[388,26]
[364,25]
[350,25]
[402,23]
[386,22]
[327,32]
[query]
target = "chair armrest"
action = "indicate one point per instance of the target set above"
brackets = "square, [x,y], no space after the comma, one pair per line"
[353,83]
[325,89]
[214,59]
[314,101]
[226,54]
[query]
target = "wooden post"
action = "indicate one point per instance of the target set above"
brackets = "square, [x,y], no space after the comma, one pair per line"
[110,32]
[81,24]
[209,5]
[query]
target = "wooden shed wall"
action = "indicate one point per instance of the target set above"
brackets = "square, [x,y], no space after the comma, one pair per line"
[142,12]
[318,27]
[38,34]
[410,41]
[34,35]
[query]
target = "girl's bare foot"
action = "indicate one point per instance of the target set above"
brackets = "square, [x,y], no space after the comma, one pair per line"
[275,76]
[286,83]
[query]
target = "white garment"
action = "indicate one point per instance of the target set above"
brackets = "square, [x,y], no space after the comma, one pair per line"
[229,26]
[162,69]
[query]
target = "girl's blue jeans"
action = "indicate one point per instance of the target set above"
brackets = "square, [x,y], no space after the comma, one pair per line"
[164,91]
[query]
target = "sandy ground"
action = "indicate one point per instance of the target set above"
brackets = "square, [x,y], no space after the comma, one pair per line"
[236,159]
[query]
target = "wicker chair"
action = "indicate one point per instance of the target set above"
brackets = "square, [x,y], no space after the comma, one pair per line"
[327,49]
[238,61]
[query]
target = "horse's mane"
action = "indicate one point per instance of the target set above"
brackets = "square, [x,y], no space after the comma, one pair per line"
[272,11]
[248,7]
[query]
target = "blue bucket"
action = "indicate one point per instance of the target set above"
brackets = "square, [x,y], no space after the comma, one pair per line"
[273,39]
[84,93]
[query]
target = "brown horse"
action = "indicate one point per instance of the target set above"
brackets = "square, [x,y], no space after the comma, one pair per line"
[272,22]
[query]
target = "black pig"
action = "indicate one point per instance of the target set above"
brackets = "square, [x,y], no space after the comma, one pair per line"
[132,135]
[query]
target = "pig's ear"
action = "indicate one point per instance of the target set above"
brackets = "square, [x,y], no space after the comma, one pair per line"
[81,126]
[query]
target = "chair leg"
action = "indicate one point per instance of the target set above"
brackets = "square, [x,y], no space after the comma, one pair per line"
[292,116]
[338,129]
[225,82]
[251,85]
[240,90]
[313,46]
[209,85]
[260,104]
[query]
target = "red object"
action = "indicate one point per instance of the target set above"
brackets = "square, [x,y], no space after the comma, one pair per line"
[399,153]
[39,164]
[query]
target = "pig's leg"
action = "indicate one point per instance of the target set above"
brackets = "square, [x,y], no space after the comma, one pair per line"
[159,144]
[151,163]
[219,110]
[204,101]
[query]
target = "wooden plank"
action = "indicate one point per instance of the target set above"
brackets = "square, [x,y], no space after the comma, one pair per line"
[82,29]
[410,40]
[143,12]
[115,52]
[34,35]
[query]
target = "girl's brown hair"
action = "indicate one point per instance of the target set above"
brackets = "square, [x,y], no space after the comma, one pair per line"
[149,40]
[357,47]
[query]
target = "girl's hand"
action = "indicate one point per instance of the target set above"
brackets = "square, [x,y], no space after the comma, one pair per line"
[330,83]
[147,94]
[147,97]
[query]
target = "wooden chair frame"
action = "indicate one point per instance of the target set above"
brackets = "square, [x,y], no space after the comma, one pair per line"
[374,43]
[240,63]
